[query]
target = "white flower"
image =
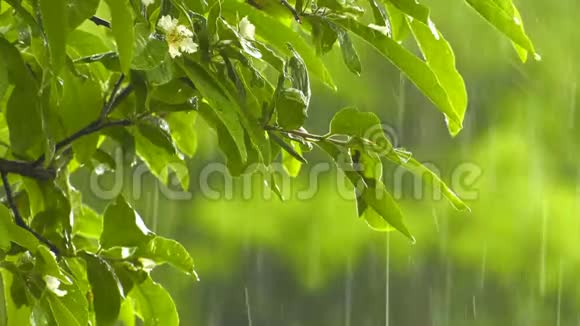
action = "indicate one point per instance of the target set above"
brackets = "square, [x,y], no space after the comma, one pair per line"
[179,37]
[53,284]
[147,2]
[247,29]
[385,30]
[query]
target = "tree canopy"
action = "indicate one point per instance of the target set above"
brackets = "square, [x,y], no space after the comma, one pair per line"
[79,78]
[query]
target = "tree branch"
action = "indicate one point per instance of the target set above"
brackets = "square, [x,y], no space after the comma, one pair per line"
[18,218]
[99,124]
[90,129]
[288,6]
[26,169]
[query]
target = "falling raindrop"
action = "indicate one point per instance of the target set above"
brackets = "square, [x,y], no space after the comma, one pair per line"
[348,293]
[435,219]
[573,92]
[248,310]
[483,267]
[474,308]
[155,219]
[387,277]
[543,250]
[401,104]
[559,303]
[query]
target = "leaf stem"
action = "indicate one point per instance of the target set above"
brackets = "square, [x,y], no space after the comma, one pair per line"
[100,22]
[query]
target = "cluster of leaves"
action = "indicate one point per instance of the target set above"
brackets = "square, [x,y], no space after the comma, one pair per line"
[81,77]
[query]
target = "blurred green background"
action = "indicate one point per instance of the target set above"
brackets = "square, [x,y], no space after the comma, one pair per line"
[514,260]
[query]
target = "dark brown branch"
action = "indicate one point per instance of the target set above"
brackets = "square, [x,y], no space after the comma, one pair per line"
[90,129]
[26,169]
[114,99]
[288,6]
[100,22]
[121,96]
[18,218]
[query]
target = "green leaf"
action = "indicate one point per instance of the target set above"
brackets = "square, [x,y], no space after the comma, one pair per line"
[287,147]
[228,32]
[349,54]
[47,265]
[226,142]
[219,101]
[71,309]
[10,232]
[298,74]
[374,194]
[80,10]
[505,17]
[123,30]
[430,178]
[153,304]
[279,35]
[23,113]
[292,108]
[123,227]
[380,14]
[182,126]
[162,250]
[416,70]
[413,9]
[440,58]
[87,222]
[127,314]
[81,104]
[56,28]
[398,20]
[291,165]
[437,52]
[16,313]
[150,49]
[176,91]
[155,147]
[323,36]
[351,122]
[106,293]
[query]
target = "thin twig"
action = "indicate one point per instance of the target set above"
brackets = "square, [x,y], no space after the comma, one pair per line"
[306,135]
[121,96]
[288,6]
[90,129]
[109,104]
[18,218]
[100,22]
[101,123]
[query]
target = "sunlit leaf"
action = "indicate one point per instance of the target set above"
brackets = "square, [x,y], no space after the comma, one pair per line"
[123,30]
[504,16]
[123,227]
[105,290]
[162,250]
[416,70]
[153,304]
